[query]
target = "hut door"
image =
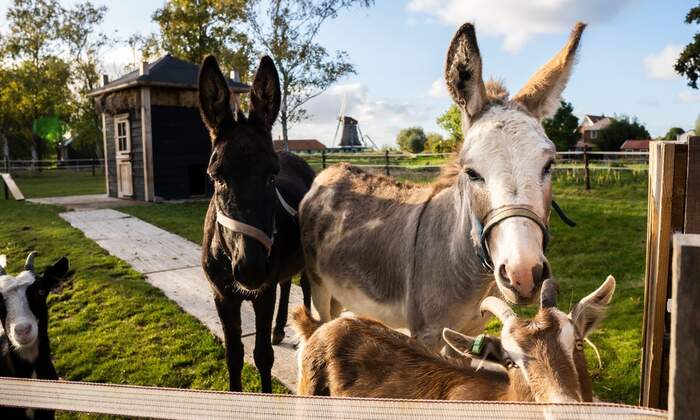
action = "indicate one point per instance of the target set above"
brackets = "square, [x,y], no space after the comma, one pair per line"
[122,138]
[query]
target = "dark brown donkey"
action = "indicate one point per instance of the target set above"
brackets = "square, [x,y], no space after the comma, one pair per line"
[251,233]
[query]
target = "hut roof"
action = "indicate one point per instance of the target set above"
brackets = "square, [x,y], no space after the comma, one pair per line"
[167,71]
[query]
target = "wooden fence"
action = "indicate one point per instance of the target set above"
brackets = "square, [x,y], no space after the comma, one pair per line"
[674,206]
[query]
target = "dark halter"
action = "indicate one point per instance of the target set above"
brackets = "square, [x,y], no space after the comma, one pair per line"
[497,215]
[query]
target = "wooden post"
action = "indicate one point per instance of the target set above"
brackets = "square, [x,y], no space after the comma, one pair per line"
[666,207]
[323,159]
[683,402]
[386,162]
[692,200]
[586,173]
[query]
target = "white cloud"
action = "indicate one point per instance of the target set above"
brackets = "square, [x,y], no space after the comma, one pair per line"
[659,65]
[689,96]
[379,118]
[438,89]
[517,21]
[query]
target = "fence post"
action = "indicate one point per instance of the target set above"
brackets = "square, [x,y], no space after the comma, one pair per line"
[685,331]
[323,159]
[386,162]
[586,173]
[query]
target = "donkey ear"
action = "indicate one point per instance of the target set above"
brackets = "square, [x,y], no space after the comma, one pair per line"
[589,311]
[463,72]
[214,94]
[541,95]
[55,273]
[265,96]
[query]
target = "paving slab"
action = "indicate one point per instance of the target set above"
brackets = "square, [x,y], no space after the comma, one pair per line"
[85,202]
[171,263]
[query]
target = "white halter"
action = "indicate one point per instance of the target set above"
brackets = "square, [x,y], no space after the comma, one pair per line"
[251,231]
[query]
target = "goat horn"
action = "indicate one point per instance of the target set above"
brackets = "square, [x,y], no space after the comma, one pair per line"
[3,264]
[29,264]
[548,294]
[497,307]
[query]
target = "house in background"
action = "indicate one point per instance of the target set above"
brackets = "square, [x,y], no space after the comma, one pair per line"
[685,136]
[635,146]
[590,127]
[156,145]
[300,146]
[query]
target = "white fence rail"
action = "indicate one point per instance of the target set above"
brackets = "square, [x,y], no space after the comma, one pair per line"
[168,403]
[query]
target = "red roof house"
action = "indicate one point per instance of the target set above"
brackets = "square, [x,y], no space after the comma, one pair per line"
[635,146]
[302,145]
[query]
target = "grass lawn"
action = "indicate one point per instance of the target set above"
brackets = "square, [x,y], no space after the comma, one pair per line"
[106,323]
[60,183]
[609,239]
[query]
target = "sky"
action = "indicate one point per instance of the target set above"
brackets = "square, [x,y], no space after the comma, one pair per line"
[398,47]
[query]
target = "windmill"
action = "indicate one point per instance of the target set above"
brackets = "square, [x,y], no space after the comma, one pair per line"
[351,136]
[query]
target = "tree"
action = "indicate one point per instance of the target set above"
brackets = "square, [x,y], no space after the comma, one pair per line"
[411,140]
[561,128]
[83,44]
[435,143]
[620,130]
[287,29]
[688,63]
[451,121]
[191,29]
[40,77]
[673,133]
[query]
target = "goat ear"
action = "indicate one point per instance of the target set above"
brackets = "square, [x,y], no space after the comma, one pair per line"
[589,311]
[541,95]
[214,95]
[463,72]
[265,96]
[3,264]
[53,274]
[489,349]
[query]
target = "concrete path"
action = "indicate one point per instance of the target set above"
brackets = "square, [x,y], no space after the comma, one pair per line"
[171,263]
[85,202]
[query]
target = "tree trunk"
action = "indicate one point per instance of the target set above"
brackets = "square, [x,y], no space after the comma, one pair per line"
[35,151]
[5,147]
[285,134]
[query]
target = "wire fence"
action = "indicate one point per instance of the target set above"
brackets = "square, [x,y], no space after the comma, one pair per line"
[44,166]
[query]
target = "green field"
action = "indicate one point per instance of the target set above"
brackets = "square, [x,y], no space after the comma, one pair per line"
[106,323]
[609,239]
[60,183]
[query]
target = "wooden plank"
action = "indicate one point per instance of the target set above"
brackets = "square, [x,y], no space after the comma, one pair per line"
[147,142]
[10,185]
[685,329]
[692,203]
[666,207]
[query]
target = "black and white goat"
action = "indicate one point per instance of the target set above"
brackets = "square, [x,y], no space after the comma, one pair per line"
[24,337]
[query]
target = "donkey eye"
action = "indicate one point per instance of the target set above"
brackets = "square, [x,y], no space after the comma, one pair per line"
[547,168]
[474,175]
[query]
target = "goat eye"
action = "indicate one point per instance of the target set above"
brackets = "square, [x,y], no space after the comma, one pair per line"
[579,345]
[473,175]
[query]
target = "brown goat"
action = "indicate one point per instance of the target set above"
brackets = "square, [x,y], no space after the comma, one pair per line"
[540,359]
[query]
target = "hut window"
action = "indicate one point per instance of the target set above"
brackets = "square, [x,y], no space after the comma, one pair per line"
[122,134]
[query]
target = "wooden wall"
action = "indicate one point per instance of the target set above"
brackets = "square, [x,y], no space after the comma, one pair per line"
[180,145]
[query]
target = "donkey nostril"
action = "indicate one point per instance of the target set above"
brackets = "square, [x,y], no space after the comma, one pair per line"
[503,273]
[23,329]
